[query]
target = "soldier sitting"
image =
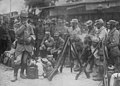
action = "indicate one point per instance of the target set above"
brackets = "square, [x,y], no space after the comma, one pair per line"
[58,45]
[47,44]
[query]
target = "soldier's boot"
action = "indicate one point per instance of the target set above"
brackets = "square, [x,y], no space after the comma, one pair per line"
[22,76]
[15,79]
[76,68]
[16,67]
[22,73]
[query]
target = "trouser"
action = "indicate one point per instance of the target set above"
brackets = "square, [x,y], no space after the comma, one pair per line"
[91,63]
[55,55]
[38,43]
[21,62]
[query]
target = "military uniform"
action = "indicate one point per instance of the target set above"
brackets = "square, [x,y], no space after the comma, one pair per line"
[113,41]
[62,29]
[25,37]
[40,33]
[74,33]
[58,45]
[46,45]
[101,36]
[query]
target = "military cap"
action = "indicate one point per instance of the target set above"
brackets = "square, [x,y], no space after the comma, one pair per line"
[56,34]
[60,20]
[74,21]
[95,39]
[44,59]
[49,56]
[15,21]
[112,22]
[47,32]
[89,23]
[99,21]
[48,21]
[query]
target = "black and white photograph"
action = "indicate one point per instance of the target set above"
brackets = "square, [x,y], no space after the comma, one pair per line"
[59,42]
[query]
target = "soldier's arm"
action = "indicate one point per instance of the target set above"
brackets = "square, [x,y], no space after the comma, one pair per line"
[101,35]
[32,34]
[43,41]
[115,40]
[79,31]
[61,44]
[20,30]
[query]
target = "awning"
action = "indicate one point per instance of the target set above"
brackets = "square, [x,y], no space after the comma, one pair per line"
[102,5]
[74,7]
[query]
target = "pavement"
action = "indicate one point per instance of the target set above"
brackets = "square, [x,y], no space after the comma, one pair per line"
[61,79]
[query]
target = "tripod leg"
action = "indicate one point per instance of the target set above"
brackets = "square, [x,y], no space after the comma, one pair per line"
[78,74]
[61,68]
[71,58]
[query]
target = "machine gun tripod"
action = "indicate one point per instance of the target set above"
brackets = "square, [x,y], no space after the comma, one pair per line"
[61,60]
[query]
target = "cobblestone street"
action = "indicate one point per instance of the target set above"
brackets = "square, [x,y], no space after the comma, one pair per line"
[64,79]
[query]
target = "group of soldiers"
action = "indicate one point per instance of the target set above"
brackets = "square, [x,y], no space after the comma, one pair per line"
[49,38]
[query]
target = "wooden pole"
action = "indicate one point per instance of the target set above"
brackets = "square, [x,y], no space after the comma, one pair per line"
[10,8]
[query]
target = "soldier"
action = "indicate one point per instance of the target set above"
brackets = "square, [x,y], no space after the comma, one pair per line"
[101,36]
[58,45]
[25,37]
[74,32]
[91,29]
[47,44]
[52,26]
[112,43]
[114,52]
[88,42]
[40,33]
[61,28]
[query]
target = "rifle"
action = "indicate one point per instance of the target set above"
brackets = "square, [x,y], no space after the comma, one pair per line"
[105,55]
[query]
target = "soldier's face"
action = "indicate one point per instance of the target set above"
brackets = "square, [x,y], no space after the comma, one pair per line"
[99,26]
[73,24]
[23,19]
[112,26]
[47,35]
[90,27]
[56,37]
[46,26]
[108,26]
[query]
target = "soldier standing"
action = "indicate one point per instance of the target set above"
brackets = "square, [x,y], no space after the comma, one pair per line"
[40,32]
[61,28]
[112,43]
[74,32]
[114,52]
[101,36]
[25,37]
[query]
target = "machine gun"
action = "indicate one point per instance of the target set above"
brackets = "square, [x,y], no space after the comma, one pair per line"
[61,60]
